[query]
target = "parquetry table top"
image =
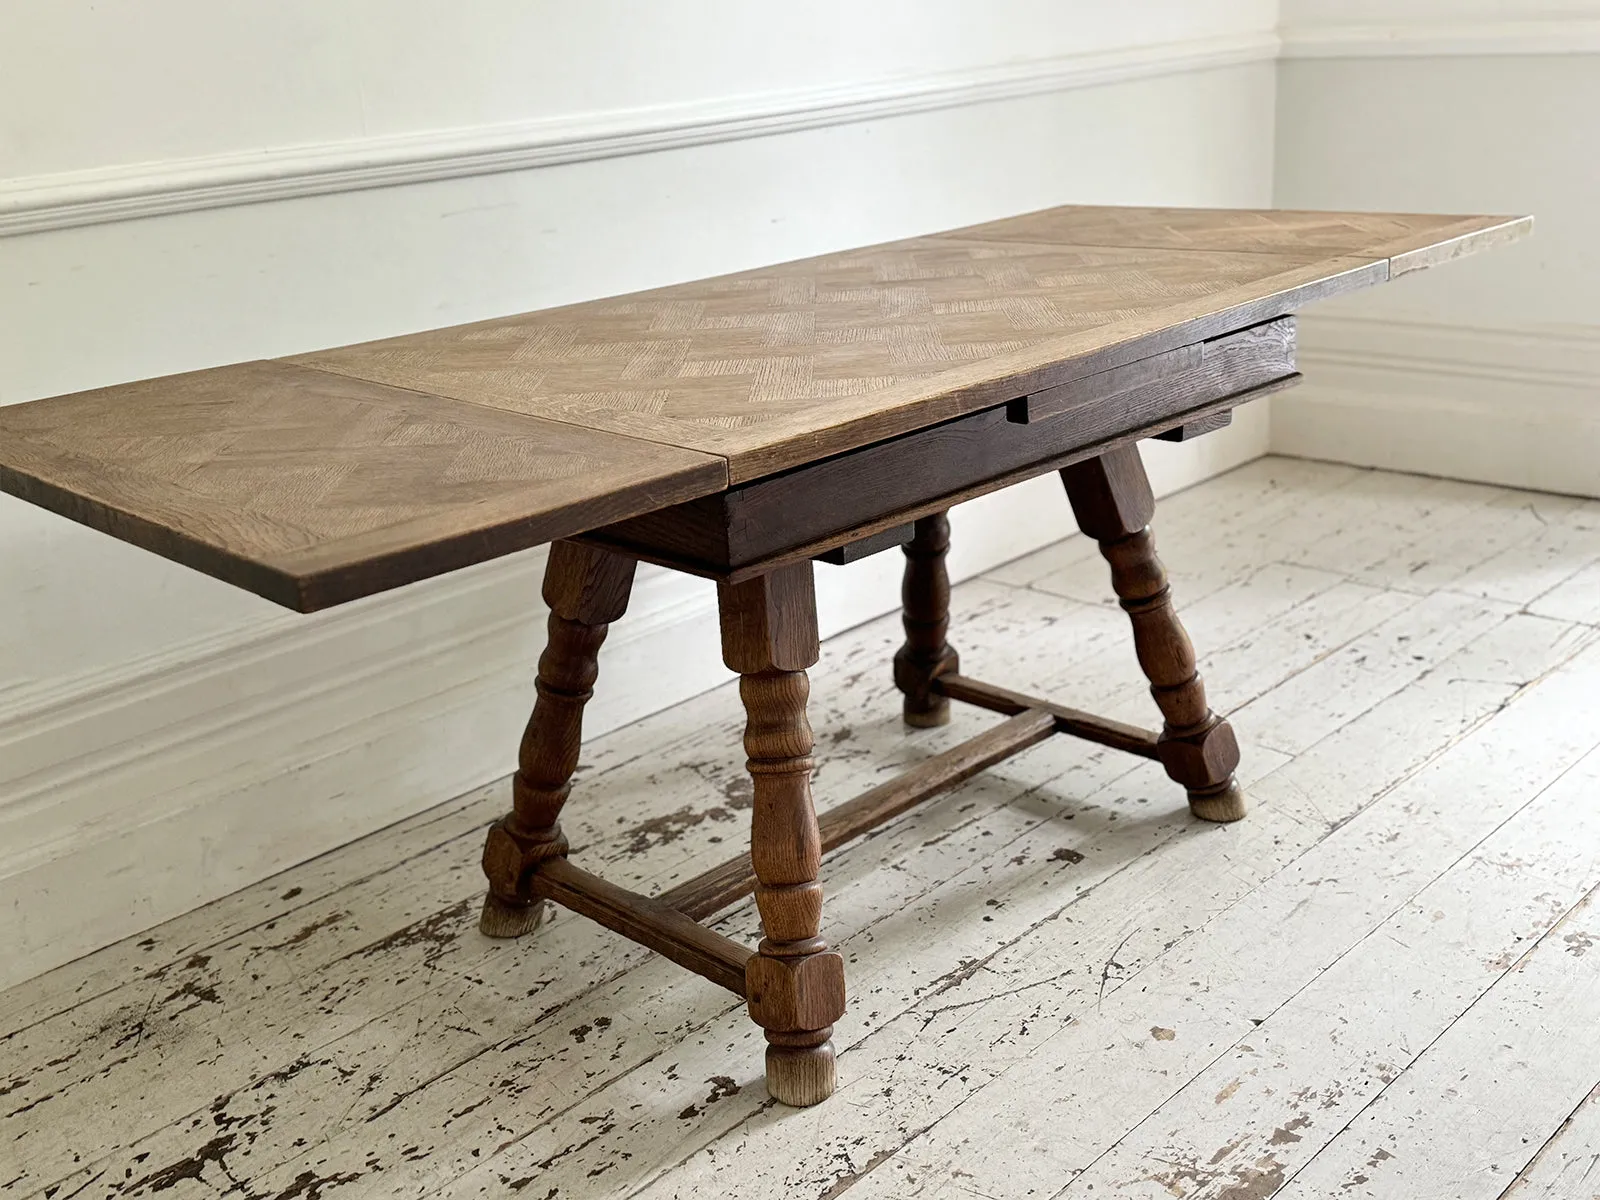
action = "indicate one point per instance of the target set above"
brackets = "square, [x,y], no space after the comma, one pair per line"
[325,476]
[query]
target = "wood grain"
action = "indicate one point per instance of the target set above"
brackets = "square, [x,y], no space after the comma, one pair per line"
[1448,1096]
[1112,500]
[1408,239]
[866,547]
[794,983]
[676,547]
[1068,720]
[782,366]
[407,457]
[646,921]
[1199,427]
[312,489]
[925,616]
[785,364]
[1170,382]
[587,588]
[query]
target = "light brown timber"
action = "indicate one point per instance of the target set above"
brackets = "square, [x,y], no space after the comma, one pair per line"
[647,921]
[327,476]
[1067,720]
[1112,501]
[586,588]
[794,984]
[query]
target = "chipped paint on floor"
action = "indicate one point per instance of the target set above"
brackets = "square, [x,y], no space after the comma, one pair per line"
[1060,984]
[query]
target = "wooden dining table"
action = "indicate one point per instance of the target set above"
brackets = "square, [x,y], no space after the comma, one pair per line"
[743,428]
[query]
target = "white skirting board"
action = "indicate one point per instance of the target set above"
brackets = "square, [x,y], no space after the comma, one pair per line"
[1540,34]
[1515,407]
[223,763]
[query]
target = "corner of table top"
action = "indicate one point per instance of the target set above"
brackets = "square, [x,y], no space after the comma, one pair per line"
[1467,236]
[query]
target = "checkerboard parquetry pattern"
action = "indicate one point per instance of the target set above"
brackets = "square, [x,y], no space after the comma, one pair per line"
[279,465]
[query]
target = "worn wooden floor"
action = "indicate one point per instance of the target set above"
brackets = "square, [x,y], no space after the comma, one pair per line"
[1383,983]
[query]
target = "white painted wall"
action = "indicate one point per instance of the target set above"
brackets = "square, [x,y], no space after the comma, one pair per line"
[154,80]
[165,739]
[1490,369]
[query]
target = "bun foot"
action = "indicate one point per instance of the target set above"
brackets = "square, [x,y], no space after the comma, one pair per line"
[1222,804]
[503,919]
[800,1076]
[932,718]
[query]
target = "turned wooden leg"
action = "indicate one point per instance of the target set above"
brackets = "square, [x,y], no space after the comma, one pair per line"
[794,983]
[925,613]
[586,589]
[1112,500]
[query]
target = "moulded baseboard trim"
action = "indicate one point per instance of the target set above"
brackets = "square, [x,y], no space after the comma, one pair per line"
[340,735]
[1559,355]
[1513,406]
[1427,39]
[172,731]
[65,200]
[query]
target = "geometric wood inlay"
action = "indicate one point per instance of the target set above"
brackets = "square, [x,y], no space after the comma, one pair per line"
[777,367]
[326,476]
[781,365]
[311,489]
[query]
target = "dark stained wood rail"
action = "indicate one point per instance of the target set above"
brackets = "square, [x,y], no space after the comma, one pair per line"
[750,527]
[729,882]
[1067,720]
[645,920]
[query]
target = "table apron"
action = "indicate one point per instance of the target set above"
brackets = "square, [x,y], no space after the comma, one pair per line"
[812,510]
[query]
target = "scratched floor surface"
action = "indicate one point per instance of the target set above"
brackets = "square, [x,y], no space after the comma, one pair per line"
[1383,983]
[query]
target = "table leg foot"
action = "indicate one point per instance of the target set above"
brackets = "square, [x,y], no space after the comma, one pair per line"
[510,919]
[800,1070]
[1222,804]
[794,984]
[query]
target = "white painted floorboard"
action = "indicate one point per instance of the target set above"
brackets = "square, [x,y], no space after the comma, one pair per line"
[1384,983]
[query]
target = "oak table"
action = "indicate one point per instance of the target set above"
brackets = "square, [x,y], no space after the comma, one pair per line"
[740,428]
